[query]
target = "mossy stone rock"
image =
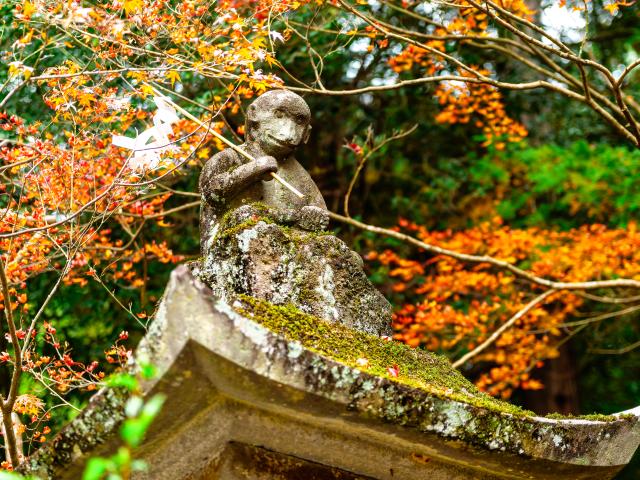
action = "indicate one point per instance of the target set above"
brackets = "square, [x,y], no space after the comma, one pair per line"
[254,253]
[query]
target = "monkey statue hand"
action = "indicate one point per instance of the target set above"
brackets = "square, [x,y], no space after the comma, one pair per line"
[312,218]
[267,165]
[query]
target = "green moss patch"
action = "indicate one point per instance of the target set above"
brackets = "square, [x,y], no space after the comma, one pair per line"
[416,368]
[597,417]
[229,226]
[235,230]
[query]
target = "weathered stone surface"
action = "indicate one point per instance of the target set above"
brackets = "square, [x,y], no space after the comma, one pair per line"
[252,380]
[241,462]
[254,253]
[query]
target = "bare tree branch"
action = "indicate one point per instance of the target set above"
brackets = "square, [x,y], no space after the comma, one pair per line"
[501,264]
[7,404]
[495,335]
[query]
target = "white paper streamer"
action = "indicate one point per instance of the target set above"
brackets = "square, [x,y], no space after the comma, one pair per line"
[147,153]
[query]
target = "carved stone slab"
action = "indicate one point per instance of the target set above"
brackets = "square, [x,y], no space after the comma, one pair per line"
[246,401]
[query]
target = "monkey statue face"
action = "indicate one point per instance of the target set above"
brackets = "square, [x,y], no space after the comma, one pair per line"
[278,121]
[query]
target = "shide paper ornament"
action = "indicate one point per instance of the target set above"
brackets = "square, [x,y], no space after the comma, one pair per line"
[148,146]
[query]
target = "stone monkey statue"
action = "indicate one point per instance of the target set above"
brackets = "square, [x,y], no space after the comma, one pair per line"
[277,123]
[247,242]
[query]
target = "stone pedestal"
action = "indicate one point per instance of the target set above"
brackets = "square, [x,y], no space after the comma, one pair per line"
[255,253]
[247,400]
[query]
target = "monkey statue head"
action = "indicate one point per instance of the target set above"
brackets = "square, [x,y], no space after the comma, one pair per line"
[278,122]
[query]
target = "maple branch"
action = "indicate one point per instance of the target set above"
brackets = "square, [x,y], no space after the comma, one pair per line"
[161,55]
[613,300]
[6,405]
[15,425]
[627,71]
[412,14]
[44,304]
[494,43]
[132,238]
[495,335]
[464,257]
[601,317]
[163,213]
[562,51]
[55,76]
[633,125]
[13,91]
[70,217]
[568,77]
[15,164]
[178,192]
[433,79]
[117,300]
[629,129]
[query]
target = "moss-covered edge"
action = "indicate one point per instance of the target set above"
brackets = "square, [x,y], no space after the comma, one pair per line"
[416,368]
[97,424]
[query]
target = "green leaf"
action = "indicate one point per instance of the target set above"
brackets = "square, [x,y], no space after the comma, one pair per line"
[148,371]
[134,429]
[10,476]
[153,407]
[123,380]
[95,469]
[122,458]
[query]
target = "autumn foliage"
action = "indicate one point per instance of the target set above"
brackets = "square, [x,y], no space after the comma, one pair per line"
[452,306]
[480,104]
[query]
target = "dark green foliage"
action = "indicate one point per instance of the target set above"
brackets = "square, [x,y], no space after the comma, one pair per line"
[561,186]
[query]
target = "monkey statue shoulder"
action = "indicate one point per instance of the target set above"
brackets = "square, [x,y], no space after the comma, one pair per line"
[260,239]
[277,123]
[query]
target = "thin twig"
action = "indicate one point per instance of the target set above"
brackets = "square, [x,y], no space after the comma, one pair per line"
[518,272]
[615,351]
[495,335]
[603,299]
[163,213]
[364,159]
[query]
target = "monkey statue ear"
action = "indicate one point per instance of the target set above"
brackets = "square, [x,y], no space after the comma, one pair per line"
[249,128]
[307,133]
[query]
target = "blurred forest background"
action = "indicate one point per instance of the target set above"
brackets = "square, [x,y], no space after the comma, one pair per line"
[569,171]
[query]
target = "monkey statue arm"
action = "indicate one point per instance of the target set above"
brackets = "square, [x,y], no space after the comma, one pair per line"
[313,218]
[224,175]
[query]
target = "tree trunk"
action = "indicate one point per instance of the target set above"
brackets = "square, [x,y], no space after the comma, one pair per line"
[560,394]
